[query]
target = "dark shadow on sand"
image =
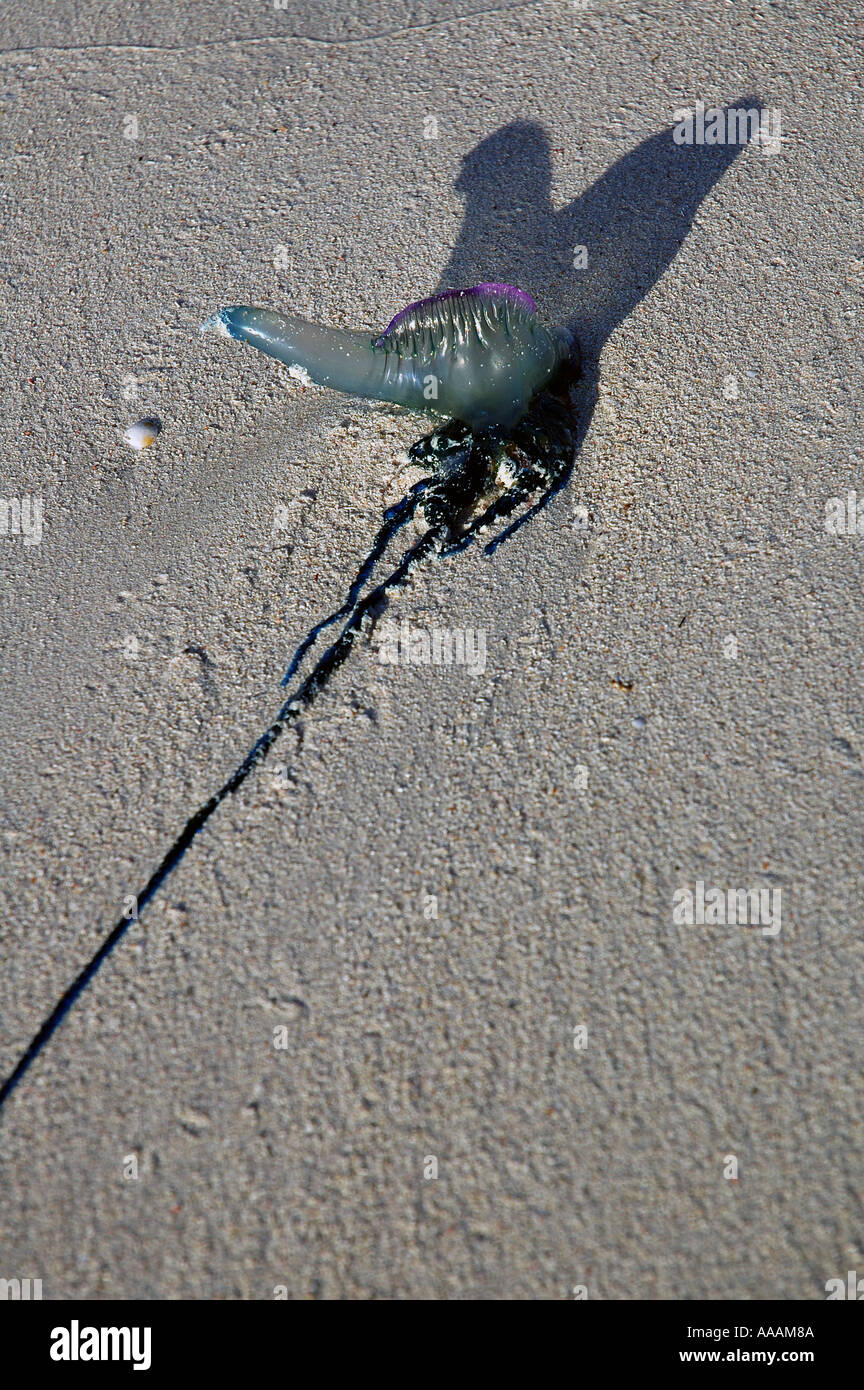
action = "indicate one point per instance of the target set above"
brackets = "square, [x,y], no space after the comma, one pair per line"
[632,222]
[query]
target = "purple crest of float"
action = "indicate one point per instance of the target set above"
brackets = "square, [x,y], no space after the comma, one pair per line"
[493,290]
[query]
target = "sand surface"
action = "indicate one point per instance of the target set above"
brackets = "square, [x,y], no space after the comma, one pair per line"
[444,873]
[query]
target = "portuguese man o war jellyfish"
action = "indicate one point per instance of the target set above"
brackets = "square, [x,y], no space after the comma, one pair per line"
[479,356]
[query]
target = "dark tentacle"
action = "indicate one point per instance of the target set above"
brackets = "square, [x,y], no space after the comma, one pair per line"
[446,499]
[557,480]
[450,499]
[448,452]
[394,519]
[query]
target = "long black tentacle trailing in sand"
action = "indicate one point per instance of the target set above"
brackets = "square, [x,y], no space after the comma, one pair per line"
[507,380]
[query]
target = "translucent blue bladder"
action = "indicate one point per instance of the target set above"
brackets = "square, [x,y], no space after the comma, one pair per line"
[476,355]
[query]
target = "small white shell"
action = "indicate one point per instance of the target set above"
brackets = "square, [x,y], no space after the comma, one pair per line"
[142,434]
